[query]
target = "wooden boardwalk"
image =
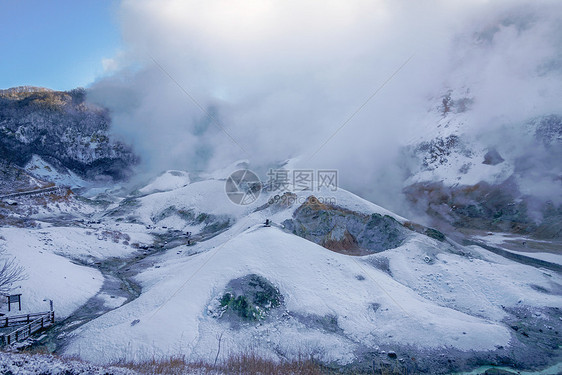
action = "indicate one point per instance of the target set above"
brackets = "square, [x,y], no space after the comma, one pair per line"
[30,324]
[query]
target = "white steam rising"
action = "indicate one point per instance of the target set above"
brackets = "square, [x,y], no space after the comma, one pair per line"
[282,76]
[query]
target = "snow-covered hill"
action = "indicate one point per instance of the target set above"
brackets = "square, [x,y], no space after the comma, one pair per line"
[341,279]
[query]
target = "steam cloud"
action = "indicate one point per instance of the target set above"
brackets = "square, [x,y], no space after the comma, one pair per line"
[282,76]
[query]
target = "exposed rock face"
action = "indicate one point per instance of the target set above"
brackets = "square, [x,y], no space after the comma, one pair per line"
[63,129]
[450,104]
[212,224]
[485,206]
[436,151]
[482,206]
[493,157]
[345,231]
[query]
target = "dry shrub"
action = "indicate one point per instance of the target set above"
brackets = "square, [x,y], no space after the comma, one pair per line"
[238,364]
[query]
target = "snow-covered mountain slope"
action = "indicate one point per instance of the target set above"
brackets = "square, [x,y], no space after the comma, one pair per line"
[505,178]
[59,176]
[62,128]
[168,180]
[16,179]
[271,288]
[451,151]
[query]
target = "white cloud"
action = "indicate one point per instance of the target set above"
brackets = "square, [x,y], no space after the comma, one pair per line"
[282,76]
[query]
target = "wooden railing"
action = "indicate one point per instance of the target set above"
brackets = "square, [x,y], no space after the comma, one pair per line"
[10,321]
[35,323]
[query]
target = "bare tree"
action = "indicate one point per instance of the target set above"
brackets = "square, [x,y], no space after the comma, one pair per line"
[10,273]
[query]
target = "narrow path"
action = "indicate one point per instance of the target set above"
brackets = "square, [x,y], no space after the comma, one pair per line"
[34,192]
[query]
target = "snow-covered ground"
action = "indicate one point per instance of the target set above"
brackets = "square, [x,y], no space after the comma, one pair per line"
[40,168]
[433,296]
[173,309]
[424,293]
[49,276]
[47,254]
[23,364]
[168,180]
[478,283]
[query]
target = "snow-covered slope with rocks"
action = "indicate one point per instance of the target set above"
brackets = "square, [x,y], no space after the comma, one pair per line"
[507,178]
[420,295]
[63,129]
[340,278]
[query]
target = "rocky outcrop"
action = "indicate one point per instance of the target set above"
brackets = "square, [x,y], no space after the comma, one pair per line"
[493,157]
[437,151]
[345,231]
[548,130]
[485,206]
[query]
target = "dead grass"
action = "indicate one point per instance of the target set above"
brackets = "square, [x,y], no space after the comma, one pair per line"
[246,364]
[173,365]
[253,364]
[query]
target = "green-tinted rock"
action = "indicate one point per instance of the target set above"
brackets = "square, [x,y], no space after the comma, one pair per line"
[250,298]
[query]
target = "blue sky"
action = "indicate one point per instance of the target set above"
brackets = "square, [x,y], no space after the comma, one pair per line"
[58,44]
